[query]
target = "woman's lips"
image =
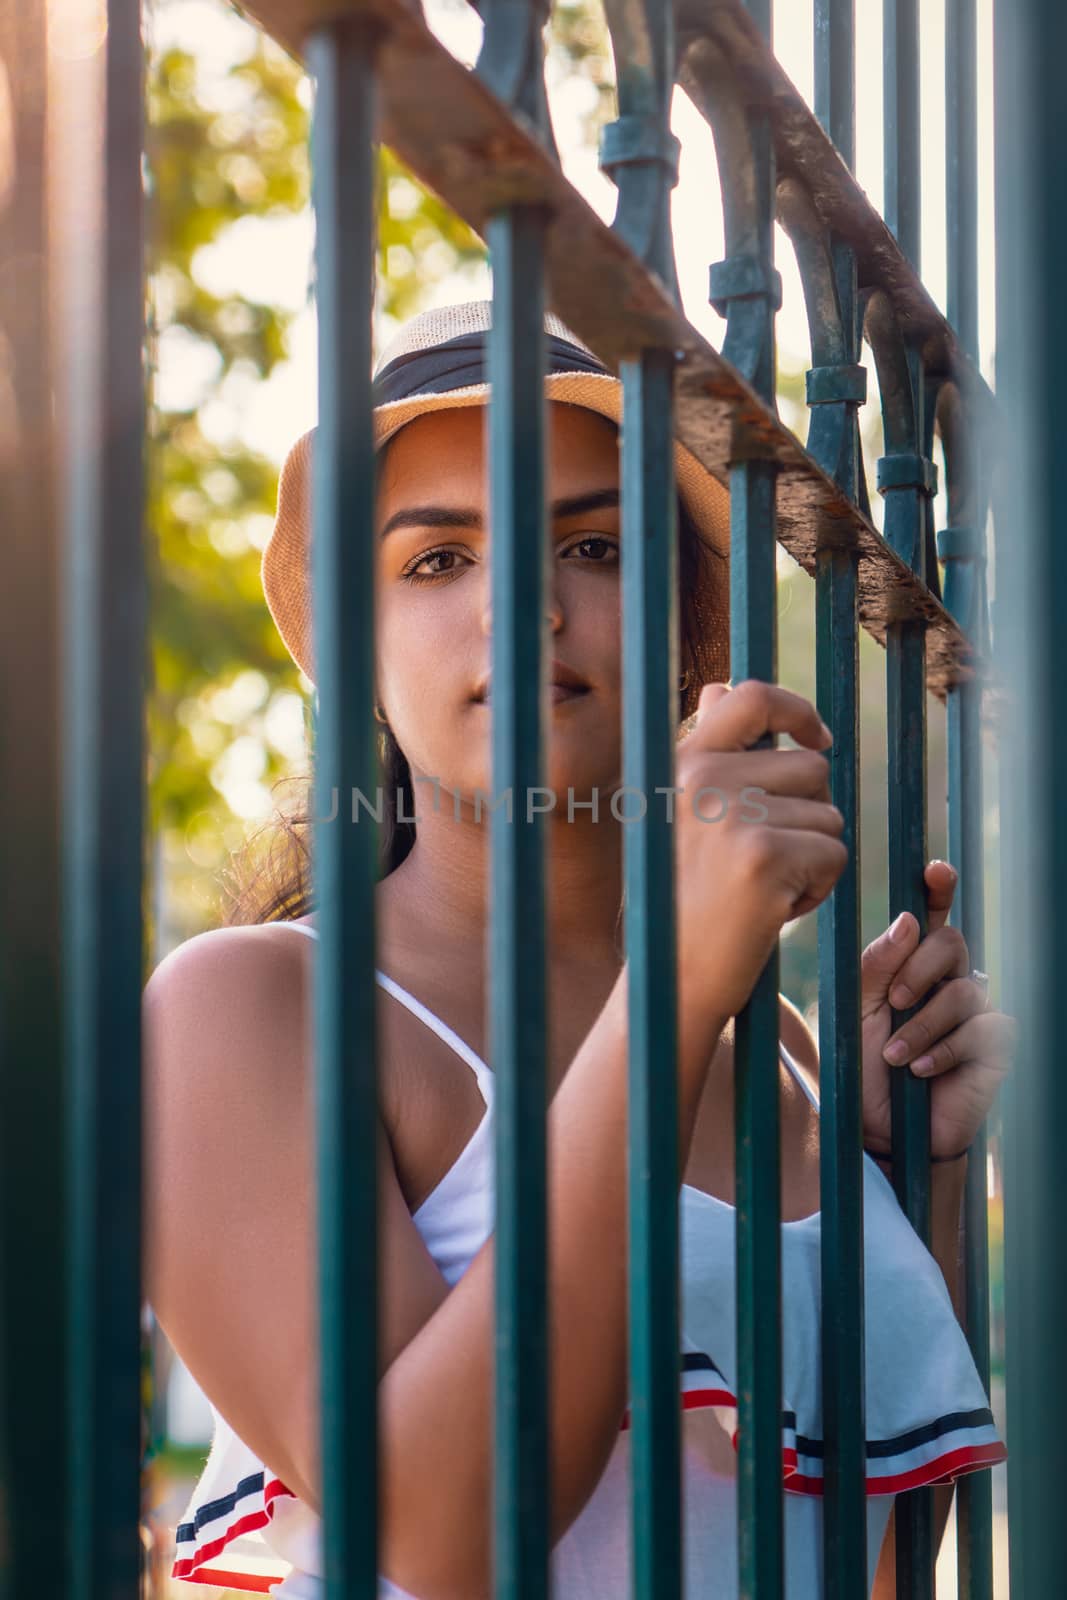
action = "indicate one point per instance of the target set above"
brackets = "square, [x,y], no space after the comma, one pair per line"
[558,692]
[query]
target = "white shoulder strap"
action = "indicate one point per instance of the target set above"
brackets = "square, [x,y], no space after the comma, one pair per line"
[425,1015]
[800,1077]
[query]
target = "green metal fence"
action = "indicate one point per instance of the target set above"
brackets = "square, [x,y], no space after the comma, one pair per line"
[72,760]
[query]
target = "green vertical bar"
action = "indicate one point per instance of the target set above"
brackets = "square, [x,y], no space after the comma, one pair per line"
[840,1053]
[762,13]
[518,990]
[650,629]
[835,73]
[757,1133]
[341,58]
[1018,174]
[900,113]
[906,688]
[644,43]
[905,530]
[906,715]
[841,1105]
[1031,645]
[34,1441]
[961,170]
[753,654]
[974,1493]
[104,686]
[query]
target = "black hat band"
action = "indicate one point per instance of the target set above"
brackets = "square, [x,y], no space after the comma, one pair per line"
[461,362]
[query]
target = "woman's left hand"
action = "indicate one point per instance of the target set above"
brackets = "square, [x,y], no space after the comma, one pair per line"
[954,1039]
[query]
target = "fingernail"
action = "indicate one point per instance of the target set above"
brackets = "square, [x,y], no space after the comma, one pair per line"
[899,929]
[937,862]
[828,737]
[896,1052]
[900,998]
[922,1064]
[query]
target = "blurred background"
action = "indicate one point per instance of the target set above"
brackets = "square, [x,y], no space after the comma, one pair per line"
[232,363]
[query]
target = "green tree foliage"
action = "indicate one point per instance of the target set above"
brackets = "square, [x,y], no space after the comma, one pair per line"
[226,696]
[227,702]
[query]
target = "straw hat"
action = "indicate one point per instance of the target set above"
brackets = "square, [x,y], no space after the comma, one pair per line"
[437,362]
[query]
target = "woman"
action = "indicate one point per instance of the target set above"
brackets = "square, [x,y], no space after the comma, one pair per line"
[232,1185]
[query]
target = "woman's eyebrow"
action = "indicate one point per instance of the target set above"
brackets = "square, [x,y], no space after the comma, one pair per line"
[577,505]
[432,517]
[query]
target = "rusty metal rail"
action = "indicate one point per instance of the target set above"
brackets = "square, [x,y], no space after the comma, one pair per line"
[461,141]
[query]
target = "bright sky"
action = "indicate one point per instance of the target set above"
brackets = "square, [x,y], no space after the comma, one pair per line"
[270,260]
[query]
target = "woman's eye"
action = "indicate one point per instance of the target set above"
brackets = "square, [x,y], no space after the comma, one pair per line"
[435,565]
[599,545]
[413,575]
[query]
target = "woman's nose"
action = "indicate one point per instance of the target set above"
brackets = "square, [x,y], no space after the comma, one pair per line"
[553,609]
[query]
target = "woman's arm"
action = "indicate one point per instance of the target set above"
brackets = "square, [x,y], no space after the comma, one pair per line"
[231,1251]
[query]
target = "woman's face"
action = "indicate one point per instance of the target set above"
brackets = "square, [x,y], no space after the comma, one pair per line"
[434,603]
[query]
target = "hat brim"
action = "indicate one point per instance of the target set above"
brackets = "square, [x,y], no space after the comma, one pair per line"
[285,567]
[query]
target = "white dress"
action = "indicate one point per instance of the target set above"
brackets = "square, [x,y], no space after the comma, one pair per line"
[928,1417]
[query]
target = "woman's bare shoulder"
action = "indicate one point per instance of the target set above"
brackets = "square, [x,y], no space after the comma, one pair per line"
[201,958]
[794,1033]
[798,1040]
[230,1010]
[234,996]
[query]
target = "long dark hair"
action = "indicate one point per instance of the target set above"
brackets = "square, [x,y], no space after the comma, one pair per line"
[270,878]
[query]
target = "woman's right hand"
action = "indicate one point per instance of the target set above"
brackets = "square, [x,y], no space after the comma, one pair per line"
[765,847]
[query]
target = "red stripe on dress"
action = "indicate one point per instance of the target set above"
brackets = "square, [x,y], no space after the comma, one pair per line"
[693,1400]
[942,1469]
[246,1524]
[233,1580]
